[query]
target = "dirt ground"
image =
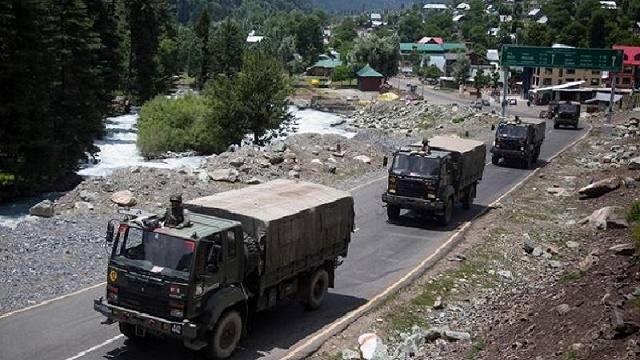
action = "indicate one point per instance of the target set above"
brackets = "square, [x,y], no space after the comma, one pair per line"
[569,296]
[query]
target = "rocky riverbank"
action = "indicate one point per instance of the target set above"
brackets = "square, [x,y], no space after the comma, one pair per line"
[45,257]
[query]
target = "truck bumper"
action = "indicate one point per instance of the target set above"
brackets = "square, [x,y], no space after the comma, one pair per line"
[571,122]
[511,154]
[162,327]
[413,203]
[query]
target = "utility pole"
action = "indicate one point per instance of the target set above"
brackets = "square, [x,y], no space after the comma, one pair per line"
[608,123]
[505,91]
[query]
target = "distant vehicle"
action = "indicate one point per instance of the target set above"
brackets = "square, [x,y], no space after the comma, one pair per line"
[431,178]
[485,102]
[518,140]
[567,114]
[513,102]
[352,98]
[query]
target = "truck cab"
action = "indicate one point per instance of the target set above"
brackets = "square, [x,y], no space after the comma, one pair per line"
[169,282]
[567,114]
[518,140]
[431,177]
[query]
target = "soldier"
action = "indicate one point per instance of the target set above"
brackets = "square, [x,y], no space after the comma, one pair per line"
[176,216]
[425,145]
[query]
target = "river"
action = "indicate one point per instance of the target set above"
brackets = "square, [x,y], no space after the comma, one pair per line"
[118,150]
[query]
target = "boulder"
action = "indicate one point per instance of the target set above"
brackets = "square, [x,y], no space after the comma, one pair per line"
[634,164]
[45,208]
[623,249]
[364,158]
[83,205]
[227,175]
[237,162]
[88,196]
[123,198]
[600,188]
[278,146]
[609,217]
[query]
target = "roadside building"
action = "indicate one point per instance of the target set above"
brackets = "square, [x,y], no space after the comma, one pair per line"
[369,79]
[629,77]
[323,68]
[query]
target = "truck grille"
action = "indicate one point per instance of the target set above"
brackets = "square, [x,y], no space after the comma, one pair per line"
[151,305]
[411,188]
[510,145]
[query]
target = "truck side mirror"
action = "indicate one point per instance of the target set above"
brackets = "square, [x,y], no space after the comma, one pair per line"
[385,161]
[111,229]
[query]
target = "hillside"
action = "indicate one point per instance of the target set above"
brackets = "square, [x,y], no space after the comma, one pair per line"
[361,5]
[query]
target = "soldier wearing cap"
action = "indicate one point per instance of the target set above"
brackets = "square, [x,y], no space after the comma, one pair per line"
[176,216]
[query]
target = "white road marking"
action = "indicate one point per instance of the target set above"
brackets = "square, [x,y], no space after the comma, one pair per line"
[94,348]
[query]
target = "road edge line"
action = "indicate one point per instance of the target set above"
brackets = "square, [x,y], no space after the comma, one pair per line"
[316,341]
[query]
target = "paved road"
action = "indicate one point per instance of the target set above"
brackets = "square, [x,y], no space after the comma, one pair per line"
[380,254]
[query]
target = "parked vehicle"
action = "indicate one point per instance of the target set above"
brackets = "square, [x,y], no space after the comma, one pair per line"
[566,114]
[431,177]
[245,250]
[518,140]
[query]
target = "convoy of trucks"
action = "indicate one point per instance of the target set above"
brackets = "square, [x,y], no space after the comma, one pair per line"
[518,140]
[245,250]
[432,176]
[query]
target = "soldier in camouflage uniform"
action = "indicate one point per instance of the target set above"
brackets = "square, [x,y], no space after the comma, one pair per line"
[176,216]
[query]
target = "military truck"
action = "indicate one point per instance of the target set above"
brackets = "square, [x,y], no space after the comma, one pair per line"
[245,251]
[519,141]
[431,177]
[566,114]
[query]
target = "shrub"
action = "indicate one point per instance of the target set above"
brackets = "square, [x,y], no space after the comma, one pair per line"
[633,214]
[174,125]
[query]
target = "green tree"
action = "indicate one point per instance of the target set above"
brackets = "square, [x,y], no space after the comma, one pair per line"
[308,35]
[202,31]
[597,29]
[381,53]
[536,34]
[461,69]
[264,92]
[574,34]
[410,27]
[479,81]
[228,42]
[344,33]
[340,73]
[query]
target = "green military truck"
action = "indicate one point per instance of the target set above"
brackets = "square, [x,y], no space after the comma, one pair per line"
[566,114]
[245,250]
[430,178]
[518,141]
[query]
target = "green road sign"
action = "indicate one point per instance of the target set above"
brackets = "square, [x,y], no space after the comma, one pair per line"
[568,58]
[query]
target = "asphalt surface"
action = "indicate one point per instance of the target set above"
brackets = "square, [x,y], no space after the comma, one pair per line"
[379,255]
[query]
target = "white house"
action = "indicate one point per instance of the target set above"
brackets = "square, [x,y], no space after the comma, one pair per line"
[463,6]
[253,38]
[611,5]
[435,6]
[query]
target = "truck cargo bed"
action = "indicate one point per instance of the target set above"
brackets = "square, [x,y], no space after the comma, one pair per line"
[294,221]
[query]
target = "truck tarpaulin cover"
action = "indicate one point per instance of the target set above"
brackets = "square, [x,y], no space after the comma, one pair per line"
[292,219]
[470,155]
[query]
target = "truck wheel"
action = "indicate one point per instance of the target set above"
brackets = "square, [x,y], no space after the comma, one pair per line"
[468,199]
[445,219]
[556,126]
[252,254]
[393,212]
[495,160]
[129,331]
[575,127]
[225,336]
[317,289]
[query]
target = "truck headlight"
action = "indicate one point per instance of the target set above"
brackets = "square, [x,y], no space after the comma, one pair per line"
[112,293]
[392,190]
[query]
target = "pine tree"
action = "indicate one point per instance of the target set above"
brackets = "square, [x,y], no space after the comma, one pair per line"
[202,31]
[228,42]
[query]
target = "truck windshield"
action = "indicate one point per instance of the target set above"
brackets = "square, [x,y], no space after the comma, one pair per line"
[404,164]
[153,252]
[567,108]
[512,131]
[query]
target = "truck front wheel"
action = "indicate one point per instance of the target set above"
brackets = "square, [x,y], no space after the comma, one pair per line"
[225,336]
[317,289]
[445,219]
[393,212]
[468,198]
[495,160]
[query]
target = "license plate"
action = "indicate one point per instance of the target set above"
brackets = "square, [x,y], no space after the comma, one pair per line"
[176,329]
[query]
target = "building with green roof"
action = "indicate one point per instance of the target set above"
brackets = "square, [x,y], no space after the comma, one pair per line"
[369,79]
